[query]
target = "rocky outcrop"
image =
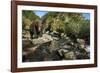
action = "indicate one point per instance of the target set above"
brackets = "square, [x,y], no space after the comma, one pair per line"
[44,39]
[47,48]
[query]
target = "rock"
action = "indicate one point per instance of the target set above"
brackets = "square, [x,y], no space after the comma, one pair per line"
[81,53]
[26,44]
[61,51]
[66,46]
[32,49]
[44,39]
[67,38]
[54,34]
[47,37]
[55,38]
[55,56]
[62,34]
[69,55]
[54,46]
[81,44]
[40,54]
[80,41]
[47,32]
[87,49]
[26,35]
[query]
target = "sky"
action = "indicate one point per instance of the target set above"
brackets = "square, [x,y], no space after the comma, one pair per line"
[42,13]
[86,15]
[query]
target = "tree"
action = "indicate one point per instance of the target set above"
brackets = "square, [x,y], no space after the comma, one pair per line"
[85,31]
[73,25]
[27,17]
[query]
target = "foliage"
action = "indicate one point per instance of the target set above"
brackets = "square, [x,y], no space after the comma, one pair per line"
[54,19]
[27,18]
[74,25]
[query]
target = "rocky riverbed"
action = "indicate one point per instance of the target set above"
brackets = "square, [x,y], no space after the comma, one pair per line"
[52,48]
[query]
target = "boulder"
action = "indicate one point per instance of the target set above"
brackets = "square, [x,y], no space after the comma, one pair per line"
[55,38]
[80,41]
[82,54]
[26,35]
[26,44]
[61,51]
[44,39]
[69,55]
[66,46]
